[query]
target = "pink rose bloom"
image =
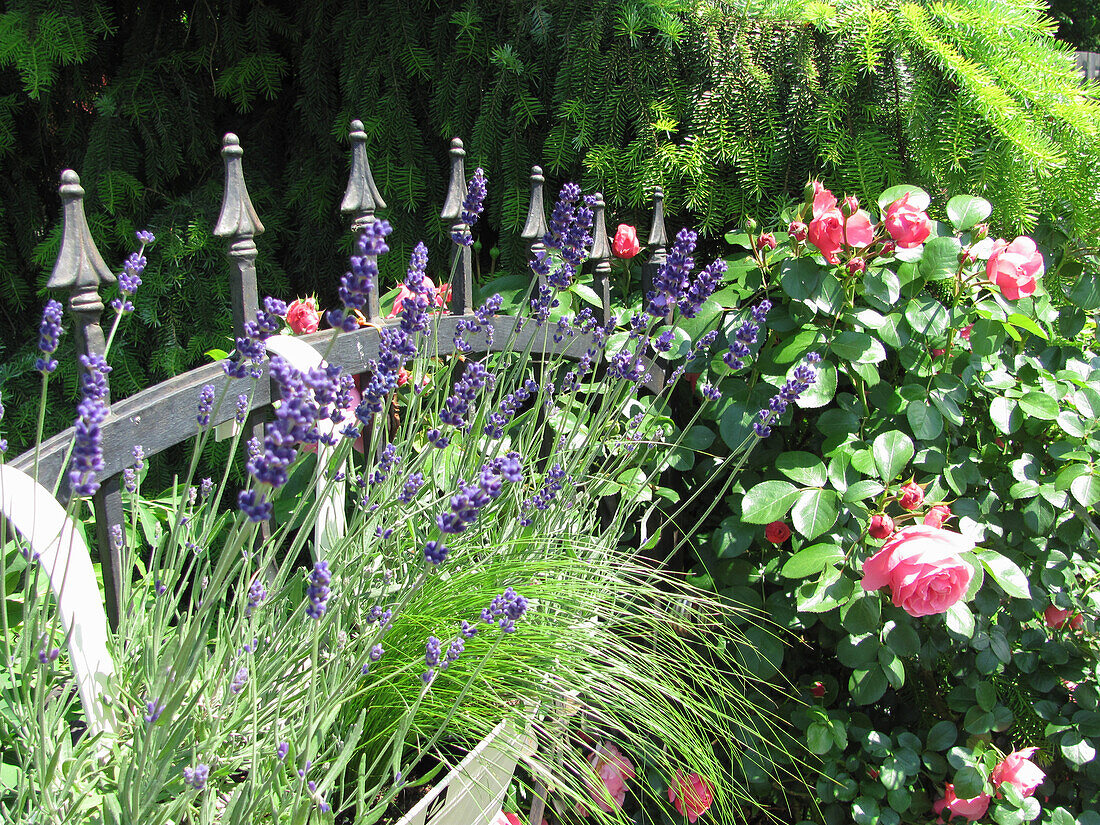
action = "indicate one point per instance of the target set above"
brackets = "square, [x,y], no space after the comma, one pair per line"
[302,316]
[626,243]
[921,565]
[907,225]
[937,514]
[613,769]
[830,231]
[971,809]
[1020,772]
[691,795]
[823,199]
[1014,267]
[912,496]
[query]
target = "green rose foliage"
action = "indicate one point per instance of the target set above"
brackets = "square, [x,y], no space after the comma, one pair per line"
[958,389]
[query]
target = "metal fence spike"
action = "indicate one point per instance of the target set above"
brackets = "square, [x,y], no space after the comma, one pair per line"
[456,188]
[238,216]
[79,264]
[362,196]
[536,226]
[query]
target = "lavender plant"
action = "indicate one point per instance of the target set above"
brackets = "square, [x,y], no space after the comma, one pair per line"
[476,572]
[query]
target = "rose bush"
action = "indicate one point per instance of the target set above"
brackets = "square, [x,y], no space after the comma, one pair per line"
[958,397]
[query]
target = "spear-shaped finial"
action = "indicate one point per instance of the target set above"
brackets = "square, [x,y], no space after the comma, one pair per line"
[658,237]
[79,265]
[238,217]
[362,197]
[239,222]
[535,227]
[456,189]
[462,263]
[601,256]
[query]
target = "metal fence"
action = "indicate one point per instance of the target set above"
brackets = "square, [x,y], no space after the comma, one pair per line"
[153,418]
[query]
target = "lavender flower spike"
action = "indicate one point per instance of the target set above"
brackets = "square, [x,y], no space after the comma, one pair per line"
[803,376]
[472,205]
[49,335]
[318,590]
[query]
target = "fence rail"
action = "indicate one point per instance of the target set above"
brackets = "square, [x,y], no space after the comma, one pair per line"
[163,415]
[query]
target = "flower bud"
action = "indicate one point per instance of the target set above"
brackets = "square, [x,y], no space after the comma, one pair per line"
[817,689]
[750,225]
[797,230]
[980,232]
[966,256]
[850,206]
[767,240]
[777,532]
[888,248]
[812,188]
[911,496]
[937,515]
[856,266]
[881,527]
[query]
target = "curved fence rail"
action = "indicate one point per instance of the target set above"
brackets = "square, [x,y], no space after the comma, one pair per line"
[162,416]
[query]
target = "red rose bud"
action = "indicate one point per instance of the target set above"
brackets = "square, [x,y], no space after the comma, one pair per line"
[936,353]
[797,230]
[850,206]
[872,772]
[881,527]
[888,248]
[818,689]
[856,266]
[1076,622]
[626,243]
[912,496]
[767,240]
[777,532]
[302,316]
[937,515]
[999,443]
[964,333]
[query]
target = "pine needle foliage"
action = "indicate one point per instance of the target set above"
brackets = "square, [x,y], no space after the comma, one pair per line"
[728,106]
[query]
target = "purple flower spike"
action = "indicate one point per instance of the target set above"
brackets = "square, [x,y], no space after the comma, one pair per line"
[49,335]
[803,376]
[318,590]
[206,405]
[197,776]
[472,205]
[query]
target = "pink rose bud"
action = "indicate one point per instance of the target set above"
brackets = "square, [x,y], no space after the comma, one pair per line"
[980,232]
[302,316]
[872,772]
[626,244]
[967,256]
[936,353]
[911,496]
[777,532]
[856,266]
[1015,267]
[613,770]
[691,795]
[964,333]
[937,514]
[823,200]
[797,230]
[881,527]
[971,809]
[907,225]
[818,690]
[851,206]
[1019,771]
[766,241]
[888,248]
[922,567]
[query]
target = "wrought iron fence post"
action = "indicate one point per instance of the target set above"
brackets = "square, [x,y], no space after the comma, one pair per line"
[361,199]
[81,270]
[239,222]
[658,239]
[535,228]
[462,279]
[601,258]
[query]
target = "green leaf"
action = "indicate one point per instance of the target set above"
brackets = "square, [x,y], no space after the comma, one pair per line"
[731,539]
[819,737]
[1005,414]
[867,686]
[814,512]
[1077,749]
[865,811]
[822,390]
[901,638]
[960,620]
[942,736]
[1039,405]
[1023,322]
[1006,573]
[969,782]
[964,211]
[1086,489]
[800,278]
[927,317]
[892,451]
[768,501]
[926,421]
[811,560]
[1086,292]
[940,260]
[858,347]
[802,467]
